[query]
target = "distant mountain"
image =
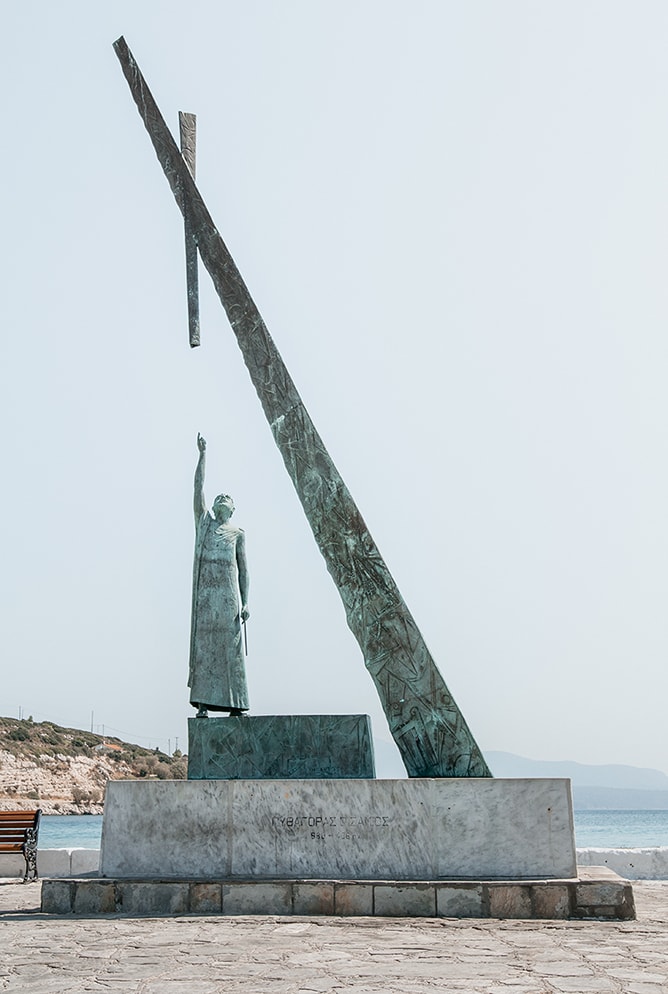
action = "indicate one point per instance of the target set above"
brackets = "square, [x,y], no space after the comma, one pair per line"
[505,764]
[611,787]
[619,799]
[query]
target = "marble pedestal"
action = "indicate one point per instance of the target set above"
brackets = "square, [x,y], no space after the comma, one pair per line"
[397,848]
[338,829]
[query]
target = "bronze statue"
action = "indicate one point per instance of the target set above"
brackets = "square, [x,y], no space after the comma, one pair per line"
[426,724]
[217,672]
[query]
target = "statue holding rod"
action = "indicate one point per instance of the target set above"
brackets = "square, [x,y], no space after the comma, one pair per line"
[217,678]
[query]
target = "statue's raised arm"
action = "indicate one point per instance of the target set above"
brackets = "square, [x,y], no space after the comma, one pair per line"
[199,502]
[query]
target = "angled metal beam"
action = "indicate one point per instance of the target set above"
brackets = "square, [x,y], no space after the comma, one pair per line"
[428,727]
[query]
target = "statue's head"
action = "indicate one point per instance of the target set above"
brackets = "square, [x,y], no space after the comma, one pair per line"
[223,507]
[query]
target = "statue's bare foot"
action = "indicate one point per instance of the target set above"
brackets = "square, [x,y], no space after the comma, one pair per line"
[202,713]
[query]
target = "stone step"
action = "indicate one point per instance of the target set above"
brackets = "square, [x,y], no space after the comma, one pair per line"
[596,893]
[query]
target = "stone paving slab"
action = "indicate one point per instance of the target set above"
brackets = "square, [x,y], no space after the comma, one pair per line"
[41,954]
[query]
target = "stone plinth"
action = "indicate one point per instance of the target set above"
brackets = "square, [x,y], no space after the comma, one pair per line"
[280,747]
[338,829]
[596,893]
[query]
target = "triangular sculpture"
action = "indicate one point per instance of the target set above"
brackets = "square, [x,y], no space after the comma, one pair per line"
[426,724]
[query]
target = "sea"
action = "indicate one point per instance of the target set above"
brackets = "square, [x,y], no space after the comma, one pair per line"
[593,829]
[621,829]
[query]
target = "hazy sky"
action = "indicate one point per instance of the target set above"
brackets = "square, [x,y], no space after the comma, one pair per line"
[454,220]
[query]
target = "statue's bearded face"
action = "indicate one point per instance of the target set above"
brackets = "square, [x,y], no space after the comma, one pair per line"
[223,507]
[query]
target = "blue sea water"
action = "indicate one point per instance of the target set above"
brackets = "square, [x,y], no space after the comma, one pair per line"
[593,829]
[621,829]
[70,831]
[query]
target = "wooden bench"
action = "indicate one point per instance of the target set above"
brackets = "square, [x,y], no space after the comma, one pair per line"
[18,834]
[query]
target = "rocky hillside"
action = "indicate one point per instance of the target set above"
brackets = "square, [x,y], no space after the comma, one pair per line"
[65,770]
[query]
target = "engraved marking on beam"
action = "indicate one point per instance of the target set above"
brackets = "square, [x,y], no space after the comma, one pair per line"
[188,135]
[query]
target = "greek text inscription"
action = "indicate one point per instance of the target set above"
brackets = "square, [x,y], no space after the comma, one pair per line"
[321,822]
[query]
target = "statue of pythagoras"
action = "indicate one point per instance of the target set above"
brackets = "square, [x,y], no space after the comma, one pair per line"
[217,673]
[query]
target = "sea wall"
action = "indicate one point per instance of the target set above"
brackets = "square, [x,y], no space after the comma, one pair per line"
[632,864]
[54,863]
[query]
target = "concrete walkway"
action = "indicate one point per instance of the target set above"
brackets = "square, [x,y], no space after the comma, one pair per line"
[268,955]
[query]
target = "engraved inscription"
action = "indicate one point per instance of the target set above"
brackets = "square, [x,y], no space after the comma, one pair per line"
[321,827]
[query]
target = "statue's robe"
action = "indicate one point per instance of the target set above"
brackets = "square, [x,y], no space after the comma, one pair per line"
[217,672]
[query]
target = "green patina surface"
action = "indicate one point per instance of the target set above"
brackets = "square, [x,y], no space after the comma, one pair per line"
[217,677]
[281,747]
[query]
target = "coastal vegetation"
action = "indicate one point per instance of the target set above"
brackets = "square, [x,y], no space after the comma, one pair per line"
[65,770]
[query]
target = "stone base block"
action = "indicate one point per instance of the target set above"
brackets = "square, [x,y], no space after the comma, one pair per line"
[600,893]
[281,747]
[596,893]
[338,829]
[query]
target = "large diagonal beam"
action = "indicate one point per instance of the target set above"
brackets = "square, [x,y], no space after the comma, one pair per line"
[428,727]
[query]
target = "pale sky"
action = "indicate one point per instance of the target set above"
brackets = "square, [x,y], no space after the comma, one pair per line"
[454,220]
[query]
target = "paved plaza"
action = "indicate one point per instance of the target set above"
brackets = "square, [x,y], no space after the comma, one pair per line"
[42,954]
